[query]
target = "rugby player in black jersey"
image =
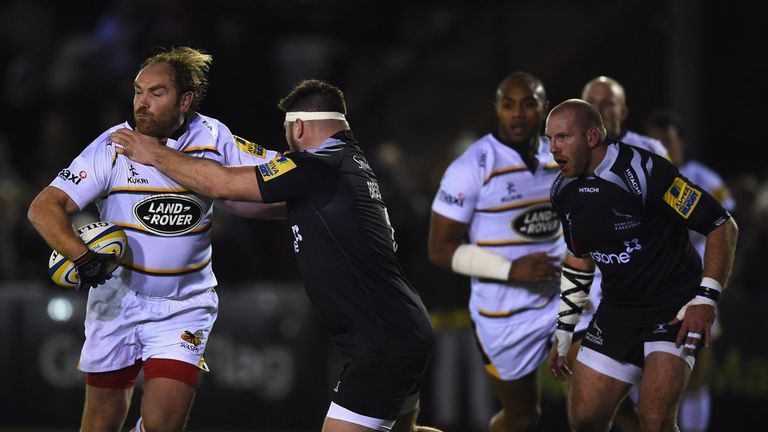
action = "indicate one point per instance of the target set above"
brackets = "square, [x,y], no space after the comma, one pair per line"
[345,247]
[627,211]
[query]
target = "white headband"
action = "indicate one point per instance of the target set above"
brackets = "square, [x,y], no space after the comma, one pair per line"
[313,115]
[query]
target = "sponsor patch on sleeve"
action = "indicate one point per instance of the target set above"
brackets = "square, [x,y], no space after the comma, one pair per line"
[275,168]
[682,197]
[249,147]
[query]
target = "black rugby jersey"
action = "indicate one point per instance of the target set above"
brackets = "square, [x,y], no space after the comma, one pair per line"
[631,218]
[345,249]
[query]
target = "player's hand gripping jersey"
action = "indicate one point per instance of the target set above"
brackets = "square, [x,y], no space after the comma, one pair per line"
[168,227]
[649,267]
[508,209]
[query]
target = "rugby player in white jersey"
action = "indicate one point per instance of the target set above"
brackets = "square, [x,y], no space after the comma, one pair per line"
[157,309]
[345,249]
[497,193]
[667,127]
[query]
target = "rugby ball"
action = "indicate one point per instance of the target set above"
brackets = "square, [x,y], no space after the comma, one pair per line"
[104,237]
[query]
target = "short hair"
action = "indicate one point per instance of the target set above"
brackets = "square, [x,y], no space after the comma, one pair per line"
[314,95]
[587,113]
[190,68]
[534,82]
[616,87]
[663,119]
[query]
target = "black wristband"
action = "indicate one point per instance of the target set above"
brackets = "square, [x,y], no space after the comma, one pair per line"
[567,327]
[709,293]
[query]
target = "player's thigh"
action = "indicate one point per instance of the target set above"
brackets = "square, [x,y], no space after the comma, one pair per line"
[166,403]
[594,396]
[519,397]
[661,386]
[105,408]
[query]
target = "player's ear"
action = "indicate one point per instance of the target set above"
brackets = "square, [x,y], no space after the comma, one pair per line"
[593,137]
[298,128]
[186,101]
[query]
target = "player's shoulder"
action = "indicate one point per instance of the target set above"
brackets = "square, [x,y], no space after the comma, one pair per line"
[202,123]
[477,156]
[645,142]
[695,167]
[103,143]
[557,186]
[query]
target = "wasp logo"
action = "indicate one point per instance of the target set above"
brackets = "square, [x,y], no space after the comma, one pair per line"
[195,338]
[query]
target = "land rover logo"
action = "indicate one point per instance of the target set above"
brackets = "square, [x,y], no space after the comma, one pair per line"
[538,223]
[169,215]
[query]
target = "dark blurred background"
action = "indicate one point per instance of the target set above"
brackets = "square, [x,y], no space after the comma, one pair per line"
[420,79]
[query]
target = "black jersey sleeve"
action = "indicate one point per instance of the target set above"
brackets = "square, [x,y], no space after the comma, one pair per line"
[682,200]
[287,178]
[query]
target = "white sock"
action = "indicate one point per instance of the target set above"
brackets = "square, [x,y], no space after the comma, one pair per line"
[695,410]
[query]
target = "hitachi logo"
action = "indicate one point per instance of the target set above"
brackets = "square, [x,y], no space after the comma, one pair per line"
[589,189]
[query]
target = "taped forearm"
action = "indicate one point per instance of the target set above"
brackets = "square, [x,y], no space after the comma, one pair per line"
[574,293]
[472,260]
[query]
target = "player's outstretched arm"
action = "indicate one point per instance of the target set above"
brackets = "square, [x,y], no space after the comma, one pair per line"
[254,209]
[203,176]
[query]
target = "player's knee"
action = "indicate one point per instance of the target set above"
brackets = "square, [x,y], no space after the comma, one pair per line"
[656,420]
[503,422]
[581,422]
[160,423]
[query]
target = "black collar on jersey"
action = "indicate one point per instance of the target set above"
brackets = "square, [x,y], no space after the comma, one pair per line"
[530,160]
[344,135]
[179,132]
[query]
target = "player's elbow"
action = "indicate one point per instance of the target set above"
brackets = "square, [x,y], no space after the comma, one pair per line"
[439,255]
[38,209]
[732,230]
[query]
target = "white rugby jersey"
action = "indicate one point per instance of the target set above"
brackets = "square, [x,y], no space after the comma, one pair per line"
[168,226]
[711,182]
[645,142]
[508,211]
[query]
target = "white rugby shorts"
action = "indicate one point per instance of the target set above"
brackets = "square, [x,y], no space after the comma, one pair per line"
[516,345]
[122,326]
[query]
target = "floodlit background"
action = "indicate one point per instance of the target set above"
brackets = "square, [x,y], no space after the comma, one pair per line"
[420,79]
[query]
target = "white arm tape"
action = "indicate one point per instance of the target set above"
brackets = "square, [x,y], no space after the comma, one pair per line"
[705,282]
[473,260]
[574,293]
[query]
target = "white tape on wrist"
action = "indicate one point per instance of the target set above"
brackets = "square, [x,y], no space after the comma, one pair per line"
[472,260]
[706,282]
[564,341]
[711,283]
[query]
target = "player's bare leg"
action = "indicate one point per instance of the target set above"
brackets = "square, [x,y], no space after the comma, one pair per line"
[593,399]
[664,379]
[520,404]
[105,409]
[407,423]
[165,405]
